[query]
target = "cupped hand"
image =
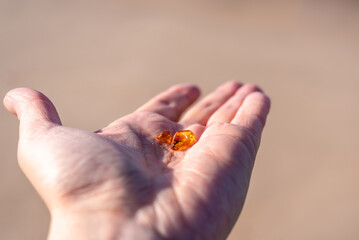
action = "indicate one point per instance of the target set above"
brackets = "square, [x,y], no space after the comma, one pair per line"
[121,183]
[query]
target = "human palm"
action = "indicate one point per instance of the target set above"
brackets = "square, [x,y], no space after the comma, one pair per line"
[124,172]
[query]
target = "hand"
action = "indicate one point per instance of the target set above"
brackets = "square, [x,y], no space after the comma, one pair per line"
[121,183]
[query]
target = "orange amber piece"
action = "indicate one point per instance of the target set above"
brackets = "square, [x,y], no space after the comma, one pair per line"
[182,140]
[165,137]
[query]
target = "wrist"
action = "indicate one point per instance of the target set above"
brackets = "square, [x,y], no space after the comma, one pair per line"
[96,225]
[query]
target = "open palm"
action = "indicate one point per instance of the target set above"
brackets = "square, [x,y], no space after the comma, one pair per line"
[122,171]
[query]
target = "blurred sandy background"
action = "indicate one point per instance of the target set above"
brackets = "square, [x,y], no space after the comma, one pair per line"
[99,60]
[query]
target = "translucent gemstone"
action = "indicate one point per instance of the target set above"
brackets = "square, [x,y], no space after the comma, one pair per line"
[165,137]
[182,140]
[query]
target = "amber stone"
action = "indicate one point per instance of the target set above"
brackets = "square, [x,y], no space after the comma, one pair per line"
[165,137]
[182,140]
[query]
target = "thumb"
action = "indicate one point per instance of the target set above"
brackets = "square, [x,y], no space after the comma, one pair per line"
[33,109]
[37,115]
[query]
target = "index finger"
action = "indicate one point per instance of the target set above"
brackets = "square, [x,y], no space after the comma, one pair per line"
[172,102]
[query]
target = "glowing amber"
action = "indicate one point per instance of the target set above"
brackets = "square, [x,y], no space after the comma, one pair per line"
[164,137]
[182,140]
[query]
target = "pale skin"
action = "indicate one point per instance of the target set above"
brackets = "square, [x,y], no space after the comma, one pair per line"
[120,183]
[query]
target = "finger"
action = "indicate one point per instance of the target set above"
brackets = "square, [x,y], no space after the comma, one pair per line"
[33,109]
[253,113]
[228,110]
[172,102]
[201,112]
